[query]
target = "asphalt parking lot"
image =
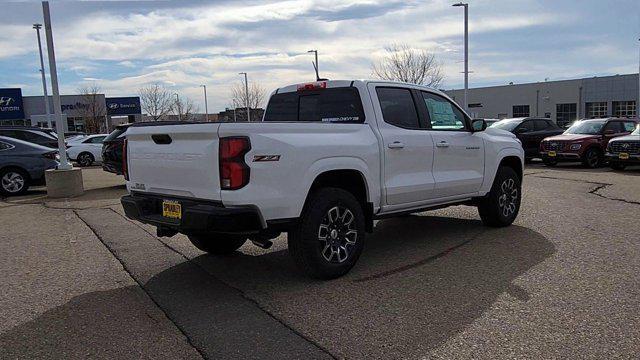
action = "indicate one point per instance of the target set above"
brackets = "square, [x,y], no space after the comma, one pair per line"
[80,280]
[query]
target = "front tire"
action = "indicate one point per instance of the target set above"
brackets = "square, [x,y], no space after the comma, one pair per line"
[617,166]
[501,206]
[13,182]
[592,158]
[331,234]
[217,244]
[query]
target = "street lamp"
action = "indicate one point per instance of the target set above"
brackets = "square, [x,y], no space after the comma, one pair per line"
[44,79]
[315,64]
[178,107]
[466,51]
[246,93]
[206,108]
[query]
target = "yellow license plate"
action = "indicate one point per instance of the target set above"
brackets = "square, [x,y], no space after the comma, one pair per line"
[551,153]
[171,209]
[623,156]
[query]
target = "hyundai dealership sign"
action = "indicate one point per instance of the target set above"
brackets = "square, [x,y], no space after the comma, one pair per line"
[123,105]
[11,104]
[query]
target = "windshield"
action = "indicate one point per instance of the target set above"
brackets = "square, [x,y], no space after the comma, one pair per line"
[507,125]
[586,127]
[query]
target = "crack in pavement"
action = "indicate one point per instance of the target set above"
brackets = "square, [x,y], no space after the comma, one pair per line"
[595,190]
[128,271]
[239,290]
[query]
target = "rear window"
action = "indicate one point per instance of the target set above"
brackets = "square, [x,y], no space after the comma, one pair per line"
[326,105]
[115,134]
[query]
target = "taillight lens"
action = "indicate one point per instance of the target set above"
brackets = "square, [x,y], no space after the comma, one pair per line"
[234,172]
[125,165]
[53,155]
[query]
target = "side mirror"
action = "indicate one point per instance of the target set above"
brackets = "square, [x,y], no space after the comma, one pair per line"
[522,130]
[609,132]
[478,125]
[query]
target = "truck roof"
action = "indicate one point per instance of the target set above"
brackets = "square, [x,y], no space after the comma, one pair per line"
[346,83]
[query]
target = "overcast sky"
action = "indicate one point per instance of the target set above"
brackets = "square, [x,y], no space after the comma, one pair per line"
[123,45]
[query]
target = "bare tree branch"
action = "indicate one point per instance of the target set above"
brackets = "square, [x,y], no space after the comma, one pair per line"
[185,108]
[403,63]
[157,101]
[257,95]
[93,110]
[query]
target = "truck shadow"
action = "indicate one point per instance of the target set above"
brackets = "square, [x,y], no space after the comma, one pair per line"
[420,281]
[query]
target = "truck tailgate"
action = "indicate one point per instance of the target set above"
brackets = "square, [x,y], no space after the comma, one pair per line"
[179,160]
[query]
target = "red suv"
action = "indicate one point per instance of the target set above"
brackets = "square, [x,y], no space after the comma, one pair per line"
[585,140]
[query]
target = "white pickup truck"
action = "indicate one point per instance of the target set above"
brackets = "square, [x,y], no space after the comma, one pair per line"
[327,159]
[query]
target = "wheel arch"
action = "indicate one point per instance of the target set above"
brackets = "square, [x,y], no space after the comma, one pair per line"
[350,180]
[16,167]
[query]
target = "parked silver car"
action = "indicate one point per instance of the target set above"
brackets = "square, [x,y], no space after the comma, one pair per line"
[22,164]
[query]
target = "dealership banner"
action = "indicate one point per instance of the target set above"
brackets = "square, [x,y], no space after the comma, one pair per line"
[11,104]
[123,105]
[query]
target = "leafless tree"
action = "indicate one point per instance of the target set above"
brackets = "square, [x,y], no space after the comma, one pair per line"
[156,101]
[403,63]
[185,108]
[93,109]
[257,94]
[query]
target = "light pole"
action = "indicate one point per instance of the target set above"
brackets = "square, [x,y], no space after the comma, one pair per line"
[44,79]
[62,149]
[638,102]
[466,51]
[315,64]
[246,93]
[206,108]
[178,107]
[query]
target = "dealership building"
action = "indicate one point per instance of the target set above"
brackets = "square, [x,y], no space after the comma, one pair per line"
[563,101]
[16,109]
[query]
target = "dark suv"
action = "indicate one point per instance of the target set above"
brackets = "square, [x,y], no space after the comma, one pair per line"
[530,131]
[30,134]
[112,150]
[585,140]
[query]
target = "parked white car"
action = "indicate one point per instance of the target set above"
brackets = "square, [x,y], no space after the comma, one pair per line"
[328,159]
[86,151]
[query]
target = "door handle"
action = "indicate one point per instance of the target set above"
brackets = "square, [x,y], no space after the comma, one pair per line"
[396,145]
[442,144]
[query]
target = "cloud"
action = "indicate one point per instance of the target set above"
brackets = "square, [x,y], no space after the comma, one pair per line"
[184,44]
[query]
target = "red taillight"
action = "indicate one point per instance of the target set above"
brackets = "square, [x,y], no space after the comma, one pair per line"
[125,166]
[51,155]
[312,86]
[234,172]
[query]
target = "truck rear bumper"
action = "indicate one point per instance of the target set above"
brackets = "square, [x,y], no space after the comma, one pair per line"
[197,216]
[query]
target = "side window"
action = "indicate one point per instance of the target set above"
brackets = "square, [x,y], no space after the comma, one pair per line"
[539,125]
[629,126]
[525,127]
[94,140]
[442,113]
[32,137]
[614,126]
[398,107]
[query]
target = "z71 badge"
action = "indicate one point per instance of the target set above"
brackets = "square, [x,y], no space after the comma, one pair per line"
[257,158]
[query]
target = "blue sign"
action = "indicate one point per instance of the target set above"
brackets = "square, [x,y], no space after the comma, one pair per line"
[123,105]
[11,104]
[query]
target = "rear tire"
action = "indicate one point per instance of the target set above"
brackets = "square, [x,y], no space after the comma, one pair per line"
[331,234]
[592,158]
[217,244]
[13,182]
[501,206]
[85,159]
[617,166]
